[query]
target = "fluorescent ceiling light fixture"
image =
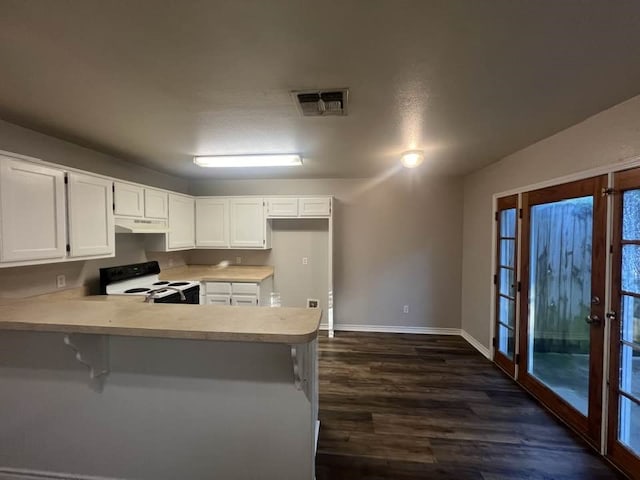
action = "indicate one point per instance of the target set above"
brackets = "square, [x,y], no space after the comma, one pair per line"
[235,161]
[412,158]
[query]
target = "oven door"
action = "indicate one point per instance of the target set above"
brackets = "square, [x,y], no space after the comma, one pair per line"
[192,296]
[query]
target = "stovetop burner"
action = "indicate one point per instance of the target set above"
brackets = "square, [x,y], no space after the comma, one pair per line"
[178,284]
[161,283]
[137,290]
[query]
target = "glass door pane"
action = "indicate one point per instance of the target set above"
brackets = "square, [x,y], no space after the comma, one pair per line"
[506,284]
[629,337]
[560,297]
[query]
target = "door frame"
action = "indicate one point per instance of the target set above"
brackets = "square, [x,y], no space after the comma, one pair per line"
[591,426]
[616,451]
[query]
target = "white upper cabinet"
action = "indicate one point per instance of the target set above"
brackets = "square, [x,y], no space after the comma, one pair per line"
[248,223]
[282,207]
[181,222]
[91,230]
[32,211]
[315,206]
[212,222]
[128,199]
[156,203]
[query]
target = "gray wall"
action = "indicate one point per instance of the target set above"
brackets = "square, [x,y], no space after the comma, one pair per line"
[607,138]
[26,281]
[291,241]
[396,242]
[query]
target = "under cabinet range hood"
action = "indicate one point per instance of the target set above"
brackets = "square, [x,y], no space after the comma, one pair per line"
[136,225]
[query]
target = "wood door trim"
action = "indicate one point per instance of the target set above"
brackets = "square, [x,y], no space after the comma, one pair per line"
[565,191]
[589,427]
[616,451]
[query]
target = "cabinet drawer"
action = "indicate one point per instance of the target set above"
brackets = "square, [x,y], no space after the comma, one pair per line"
[315,207]
[217,300]
[244,289]
[282,207]
[217,288]
[244,300]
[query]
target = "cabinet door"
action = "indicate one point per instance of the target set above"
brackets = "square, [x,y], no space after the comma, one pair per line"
[32,211]
[91,229]
[212,222]
[247,223]
[244,300]
[155,203]
[282,207]
[128,199]
[181,222]
[315,207]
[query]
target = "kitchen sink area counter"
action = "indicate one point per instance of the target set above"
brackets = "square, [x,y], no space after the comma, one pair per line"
[213,273]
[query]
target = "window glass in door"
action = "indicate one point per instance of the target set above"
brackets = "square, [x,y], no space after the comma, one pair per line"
[560,297]
[629,341]
[506,283]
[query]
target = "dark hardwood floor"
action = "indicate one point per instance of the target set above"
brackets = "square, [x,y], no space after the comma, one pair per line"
[408,407]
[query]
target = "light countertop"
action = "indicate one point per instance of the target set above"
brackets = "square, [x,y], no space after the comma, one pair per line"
[211,273]
[115,315]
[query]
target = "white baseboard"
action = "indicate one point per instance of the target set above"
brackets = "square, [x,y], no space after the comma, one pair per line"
[476,344]
[396,329]
[9,473]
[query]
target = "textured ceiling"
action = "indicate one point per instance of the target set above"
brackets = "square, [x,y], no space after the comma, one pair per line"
[156,82]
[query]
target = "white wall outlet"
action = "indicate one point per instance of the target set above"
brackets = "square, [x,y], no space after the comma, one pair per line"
[238,260]
[313,303]
[305,260]
[405,309]
[170,262]
[61,281]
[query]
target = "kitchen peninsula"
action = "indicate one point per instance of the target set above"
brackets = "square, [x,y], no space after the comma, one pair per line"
[110,387]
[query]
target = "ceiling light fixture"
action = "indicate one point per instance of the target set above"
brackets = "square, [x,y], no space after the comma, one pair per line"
[235,161]
[412,158]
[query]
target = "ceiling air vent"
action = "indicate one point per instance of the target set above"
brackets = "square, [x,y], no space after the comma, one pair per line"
[322,103]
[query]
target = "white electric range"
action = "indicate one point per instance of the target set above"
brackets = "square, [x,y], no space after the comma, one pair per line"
[143,279]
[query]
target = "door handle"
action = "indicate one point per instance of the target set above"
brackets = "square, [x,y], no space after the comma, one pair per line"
[592,319]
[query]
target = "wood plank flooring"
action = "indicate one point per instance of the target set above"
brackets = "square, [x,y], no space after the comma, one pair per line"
[409,407]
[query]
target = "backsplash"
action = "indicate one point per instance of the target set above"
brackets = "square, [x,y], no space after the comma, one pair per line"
[21,282]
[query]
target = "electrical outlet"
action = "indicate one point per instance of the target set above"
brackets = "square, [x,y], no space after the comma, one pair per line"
[405,309]
[305,260]
[170,262]
[313,303]
[238,260]
[61,281]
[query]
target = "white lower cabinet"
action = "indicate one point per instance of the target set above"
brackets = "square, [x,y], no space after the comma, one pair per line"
[91,228]
[242,294]
[32,211]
